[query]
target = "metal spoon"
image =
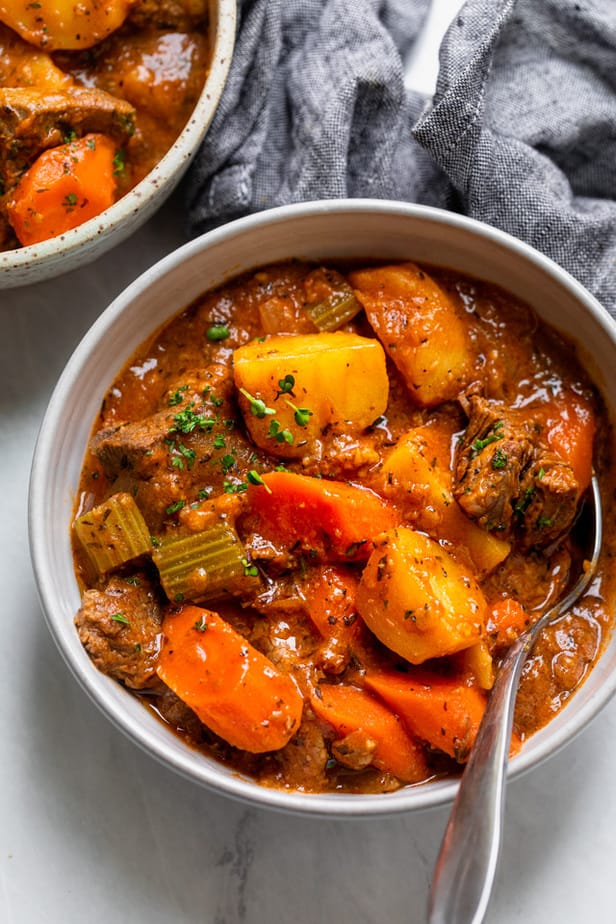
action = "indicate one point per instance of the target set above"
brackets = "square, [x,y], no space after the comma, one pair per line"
[466,865]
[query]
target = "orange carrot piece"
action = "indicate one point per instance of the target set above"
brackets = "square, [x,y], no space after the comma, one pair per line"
[571,427]
[440,710]
[348,709]
[64,187]
[331,520]
[234,689]
[506,621]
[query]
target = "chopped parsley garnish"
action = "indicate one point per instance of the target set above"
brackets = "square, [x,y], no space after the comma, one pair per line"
[522,505]
[187,421]
[173,508]
[227,462]
[255,478]
[200,625]
[119,163]
[230,487]
[70,202]
[499,459]
[477,445]
[120,617]
[177,397]
[217,332]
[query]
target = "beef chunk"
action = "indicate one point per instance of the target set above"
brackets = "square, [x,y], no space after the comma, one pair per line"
[120,629]
[304,757]
[508,481]
[167,14]
[190,449]
[548,501]
[33,119]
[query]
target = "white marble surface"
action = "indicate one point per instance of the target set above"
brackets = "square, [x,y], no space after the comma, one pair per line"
[92,830]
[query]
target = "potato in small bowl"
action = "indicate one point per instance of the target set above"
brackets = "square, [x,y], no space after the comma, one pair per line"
[285,532]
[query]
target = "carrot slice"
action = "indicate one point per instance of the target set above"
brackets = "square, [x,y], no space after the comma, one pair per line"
[440,710]
[64,187]
[506,621]
[234,689]
[349,709]
[571,427]
[330,520]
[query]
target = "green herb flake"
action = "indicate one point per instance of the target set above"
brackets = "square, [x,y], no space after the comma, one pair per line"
[177,397]
[230,487]
[257,406]
[187,421]
[477,445]
[173,508]
[200,625]
[227,462]
[255,478]
[120,617]
[250,570]
[119,163]
[301,415]
[70,202]
[280,435]
[286,385]
[217,332]
[499,459]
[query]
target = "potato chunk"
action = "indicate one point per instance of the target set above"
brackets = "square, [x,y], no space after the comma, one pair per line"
[417,600]
[22,65]
[64,24]
[417,476]
[307,382]
[420,329]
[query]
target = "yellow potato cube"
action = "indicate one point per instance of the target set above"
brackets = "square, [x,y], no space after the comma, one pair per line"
[419,327]
[417,600]
[306,382]
[416,475]
[64,24]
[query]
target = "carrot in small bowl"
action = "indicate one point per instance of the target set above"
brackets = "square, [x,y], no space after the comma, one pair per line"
[64,187]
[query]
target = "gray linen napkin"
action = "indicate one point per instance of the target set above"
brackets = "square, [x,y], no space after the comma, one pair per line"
[521,132]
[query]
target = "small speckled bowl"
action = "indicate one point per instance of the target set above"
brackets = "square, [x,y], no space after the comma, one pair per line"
[318,231]
[91,239]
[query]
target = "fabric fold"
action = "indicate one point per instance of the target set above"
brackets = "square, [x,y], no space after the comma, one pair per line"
[520,133]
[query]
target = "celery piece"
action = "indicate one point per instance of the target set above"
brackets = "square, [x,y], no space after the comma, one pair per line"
[202,566]
[336,310]
[113,533]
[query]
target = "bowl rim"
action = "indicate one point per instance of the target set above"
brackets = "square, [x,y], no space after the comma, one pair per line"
[163,175]
[420,797]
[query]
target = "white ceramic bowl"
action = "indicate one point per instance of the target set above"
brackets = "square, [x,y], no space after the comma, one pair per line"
[85,243]
[319,230]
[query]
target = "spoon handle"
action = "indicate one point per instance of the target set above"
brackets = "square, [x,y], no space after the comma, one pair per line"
[467,861]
